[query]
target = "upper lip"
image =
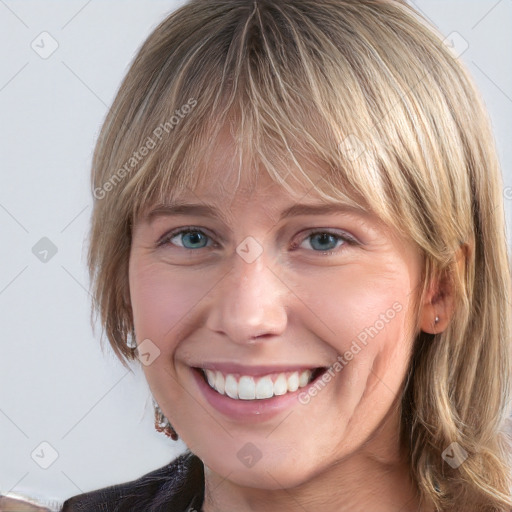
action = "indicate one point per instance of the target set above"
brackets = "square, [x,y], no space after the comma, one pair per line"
[255,370]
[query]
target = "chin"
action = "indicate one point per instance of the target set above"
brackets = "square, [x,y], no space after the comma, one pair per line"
[273,473]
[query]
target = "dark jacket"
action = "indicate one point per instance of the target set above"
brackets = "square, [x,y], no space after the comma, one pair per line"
[176,487]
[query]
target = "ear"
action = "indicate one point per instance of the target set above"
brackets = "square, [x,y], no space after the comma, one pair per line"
[439,303]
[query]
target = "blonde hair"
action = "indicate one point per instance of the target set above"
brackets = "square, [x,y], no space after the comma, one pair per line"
[367,89]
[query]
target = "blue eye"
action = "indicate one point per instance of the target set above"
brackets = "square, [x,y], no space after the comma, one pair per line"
[187,238]
[326,241]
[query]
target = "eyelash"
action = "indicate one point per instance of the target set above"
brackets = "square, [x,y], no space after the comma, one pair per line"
[345,238]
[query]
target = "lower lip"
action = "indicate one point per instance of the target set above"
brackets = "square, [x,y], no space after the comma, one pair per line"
[254,410]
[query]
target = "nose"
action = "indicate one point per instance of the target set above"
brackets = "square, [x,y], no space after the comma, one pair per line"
[249,303]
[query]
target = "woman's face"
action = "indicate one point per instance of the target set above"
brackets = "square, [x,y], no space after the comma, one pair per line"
[260,292]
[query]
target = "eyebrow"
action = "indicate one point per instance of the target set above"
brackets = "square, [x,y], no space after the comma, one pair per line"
[202,210]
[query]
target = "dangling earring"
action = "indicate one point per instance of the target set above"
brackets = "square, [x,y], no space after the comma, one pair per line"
[130,341]
[162,424]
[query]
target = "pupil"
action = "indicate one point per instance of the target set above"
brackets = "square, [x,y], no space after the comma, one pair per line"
[194,237]
[325,239]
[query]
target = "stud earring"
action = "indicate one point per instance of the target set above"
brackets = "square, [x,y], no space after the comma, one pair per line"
[436,319]
[162,424]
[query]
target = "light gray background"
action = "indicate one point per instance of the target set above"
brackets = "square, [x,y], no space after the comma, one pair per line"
[56,384]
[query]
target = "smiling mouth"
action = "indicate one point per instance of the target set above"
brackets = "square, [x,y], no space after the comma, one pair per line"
[247,387]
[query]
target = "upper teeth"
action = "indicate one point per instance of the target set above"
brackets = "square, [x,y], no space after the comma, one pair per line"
[246,387]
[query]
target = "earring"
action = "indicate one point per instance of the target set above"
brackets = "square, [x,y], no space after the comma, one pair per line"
[436,320]
[131,340]
[162,424]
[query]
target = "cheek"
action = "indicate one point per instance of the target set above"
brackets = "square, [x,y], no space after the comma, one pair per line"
[364,314]
[381,329]
[162,300]
[360,303]
[164,303]
[365,317]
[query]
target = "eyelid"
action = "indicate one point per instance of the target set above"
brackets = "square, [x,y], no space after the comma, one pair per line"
[345,235]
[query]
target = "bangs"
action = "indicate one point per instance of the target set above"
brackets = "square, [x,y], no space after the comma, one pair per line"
[305,101]
[290,109]
[293,154]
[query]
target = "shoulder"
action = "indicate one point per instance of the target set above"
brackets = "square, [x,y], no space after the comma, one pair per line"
[178,486]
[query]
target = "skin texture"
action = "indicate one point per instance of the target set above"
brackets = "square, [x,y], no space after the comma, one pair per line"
[293,305]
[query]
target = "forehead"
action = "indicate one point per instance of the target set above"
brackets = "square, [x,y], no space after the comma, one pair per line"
[255,193]
[227,183]
[235,169]
[227,176]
